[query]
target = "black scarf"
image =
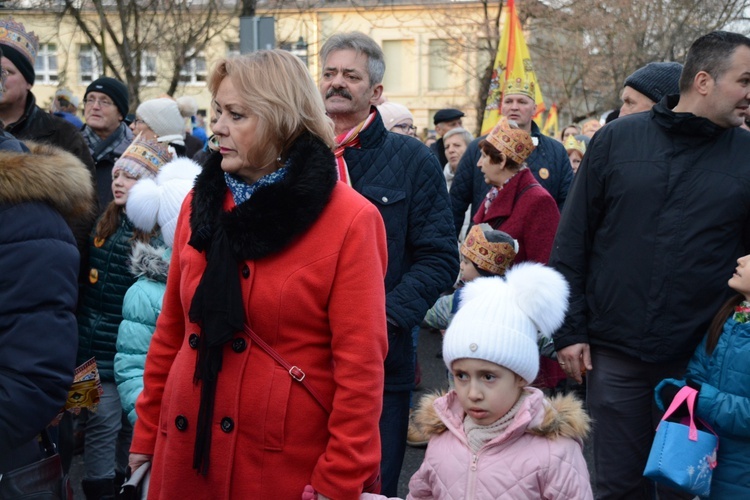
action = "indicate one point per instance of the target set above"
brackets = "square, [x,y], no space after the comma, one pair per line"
[265,224]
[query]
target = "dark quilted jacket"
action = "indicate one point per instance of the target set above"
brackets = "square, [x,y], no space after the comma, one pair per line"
[100,312]
[401,177]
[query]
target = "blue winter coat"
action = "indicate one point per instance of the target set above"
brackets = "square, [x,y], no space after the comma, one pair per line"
[41,192]
[140,310]
[404,180]
[724,403]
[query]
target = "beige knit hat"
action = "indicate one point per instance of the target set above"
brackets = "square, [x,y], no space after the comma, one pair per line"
[163,116]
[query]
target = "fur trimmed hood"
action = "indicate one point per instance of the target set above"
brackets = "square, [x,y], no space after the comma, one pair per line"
[563,416]
[275,214]
[150,262]
[50,175]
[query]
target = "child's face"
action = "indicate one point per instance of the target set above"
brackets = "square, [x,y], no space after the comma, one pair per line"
[487,391]
[468,270]
[740,280]
[121,184]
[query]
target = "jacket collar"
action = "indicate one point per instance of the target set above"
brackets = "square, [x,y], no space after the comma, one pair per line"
[276,214]
[502,205]
[373,136]
[683,123]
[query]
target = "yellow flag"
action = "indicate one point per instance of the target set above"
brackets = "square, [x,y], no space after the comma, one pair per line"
[551,127]
[512,64]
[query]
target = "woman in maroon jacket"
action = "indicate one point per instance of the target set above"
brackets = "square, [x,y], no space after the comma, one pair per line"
[517,204]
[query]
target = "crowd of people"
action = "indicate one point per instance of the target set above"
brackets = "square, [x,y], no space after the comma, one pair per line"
[253,300]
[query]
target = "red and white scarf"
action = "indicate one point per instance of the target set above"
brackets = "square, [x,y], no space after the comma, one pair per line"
[349,139]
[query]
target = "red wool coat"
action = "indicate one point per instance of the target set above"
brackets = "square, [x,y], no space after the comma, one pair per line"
[320,302]
[531,217]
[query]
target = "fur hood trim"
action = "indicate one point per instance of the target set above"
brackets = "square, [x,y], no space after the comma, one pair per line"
[50,175]
[275,214]
[149,262]
[564,416]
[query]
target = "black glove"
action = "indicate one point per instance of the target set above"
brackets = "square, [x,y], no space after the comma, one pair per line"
[692,383]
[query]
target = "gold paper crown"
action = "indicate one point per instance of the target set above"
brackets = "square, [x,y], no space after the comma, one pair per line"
[514,143]
[573,144]
[520,86]
[143,157]
[495,258]
[14,35]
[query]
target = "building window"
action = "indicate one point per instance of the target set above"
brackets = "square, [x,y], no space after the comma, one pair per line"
[442,68]
[401,61]
[233,49]
[148,68]
[194,72]
[89,64]
[45,65]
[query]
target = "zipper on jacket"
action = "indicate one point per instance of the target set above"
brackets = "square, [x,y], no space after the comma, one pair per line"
[472,479]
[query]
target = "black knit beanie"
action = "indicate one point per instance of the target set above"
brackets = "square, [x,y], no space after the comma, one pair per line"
[25,67]
[115,89]
[656,79]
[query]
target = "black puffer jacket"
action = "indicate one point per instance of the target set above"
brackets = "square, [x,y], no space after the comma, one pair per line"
[100,313]
[40,194]
[401,177]
[658,213]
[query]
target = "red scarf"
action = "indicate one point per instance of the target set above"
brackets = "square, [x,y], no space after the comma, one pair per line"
[349,139]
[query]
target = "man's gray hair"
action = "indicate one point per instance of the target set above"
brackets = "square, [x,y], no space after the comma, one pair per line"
[362,44]
[459,131]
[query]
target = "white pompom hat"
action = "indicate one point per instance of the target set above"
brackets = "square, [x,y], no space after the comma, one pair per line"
[158,201]
[501,320]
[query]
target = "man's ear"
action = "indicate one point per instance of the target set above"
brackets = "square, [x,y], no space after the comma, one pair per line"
[703,83]
[377,91]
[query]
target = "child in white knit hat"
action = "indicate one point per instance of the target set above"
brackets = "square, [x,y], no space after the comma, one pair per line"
[493,436]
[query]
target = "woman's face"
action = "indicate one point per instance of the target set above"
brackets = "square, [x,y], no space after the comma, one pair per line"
[568,132]
[455,146]
[121,184]
[139,127]
[494,173]
[235,129]
[405,127]
[575,158]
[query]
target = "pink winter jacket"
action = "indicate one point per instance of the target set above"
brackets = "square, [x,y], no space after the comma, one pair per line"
[539,456]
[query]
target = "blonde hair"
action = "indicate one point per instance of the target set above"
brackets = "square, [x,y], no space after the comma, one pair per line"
[279,91]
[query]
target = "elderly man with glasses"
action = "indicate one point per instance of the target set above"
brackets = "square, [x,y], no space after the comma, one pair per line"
[105,105]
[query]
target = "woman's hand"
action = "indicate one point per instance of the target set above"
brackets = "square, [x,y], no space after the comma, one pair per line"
[136,460]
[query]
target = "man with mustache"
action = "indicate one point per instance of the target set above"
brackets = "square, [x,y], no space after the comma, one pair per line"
[655,220]
[404,180]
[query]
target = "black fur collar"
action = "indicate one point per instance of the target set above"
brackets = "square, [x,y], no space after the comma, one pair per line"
[274,215]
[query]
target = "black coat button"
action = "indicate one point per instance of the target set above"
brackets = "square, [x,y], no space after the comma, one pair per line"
[245,271]
[181,422]
[227,424]
[239,344]
[194,340]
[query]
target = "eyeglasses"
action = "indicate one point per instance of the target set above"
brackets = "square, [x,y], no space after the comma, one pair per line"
[406,127]
[103,103]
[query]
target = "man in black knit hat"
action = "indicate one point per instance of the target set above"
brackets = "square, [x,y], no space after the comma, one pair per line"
[105,106]
[648,85]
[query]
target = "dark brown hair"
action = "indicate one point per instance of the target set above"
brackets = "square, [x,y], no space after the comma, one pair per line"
[717,324]
[497,157]
[110,220]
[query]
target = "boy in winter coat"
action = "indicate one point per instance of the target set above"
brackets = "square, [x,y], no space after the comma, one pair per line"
[492,436]
[150,203]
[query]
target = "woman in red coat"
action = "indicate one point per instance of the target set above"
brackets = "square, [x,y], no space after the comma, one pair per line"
[516,204]
[269,239]
[520,206]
